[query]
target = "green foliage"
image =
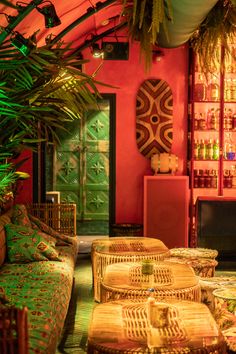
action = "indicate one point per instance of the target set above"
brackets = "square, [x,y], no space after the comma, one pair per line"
[39,96]
[144,20]
[40,93]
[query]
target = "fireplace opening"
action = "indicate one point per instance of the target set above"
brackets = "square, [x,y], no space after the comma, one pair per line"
[216,228]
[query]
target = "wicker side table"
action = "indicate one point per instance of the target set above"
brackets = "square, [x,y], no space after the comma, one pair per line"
[168,281]
[123,327]
[123,249]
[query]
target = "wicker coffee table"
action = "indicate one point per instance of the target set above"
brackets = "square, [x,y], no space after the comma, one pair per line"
[122,249]
[123,327]
[168,280]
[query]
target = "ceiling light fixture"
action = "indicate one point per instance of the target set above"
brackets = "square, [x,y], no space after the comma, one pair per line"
[97,51]
[157,55]
[50,15]
[47,9]
[23,44]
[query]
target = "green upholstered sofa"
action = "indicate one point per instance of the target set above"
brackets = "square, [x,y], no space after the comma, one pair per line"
[41,283]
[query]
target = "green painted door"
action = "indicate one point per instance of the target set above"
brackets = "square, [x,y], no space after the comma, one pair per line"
[81,168]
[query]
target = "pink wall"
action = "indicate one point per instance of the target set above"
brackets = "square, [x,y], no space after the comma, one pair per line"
[131,166]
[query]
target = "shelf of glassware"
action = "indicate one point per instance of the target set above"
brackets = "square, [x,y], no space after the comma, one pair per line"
[229,146]
[206,148]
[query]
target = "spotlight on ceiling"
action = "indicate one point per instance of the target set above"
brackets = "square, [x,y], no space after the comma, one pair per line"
[23,44]
[50,15]
[157,55]
[97,51]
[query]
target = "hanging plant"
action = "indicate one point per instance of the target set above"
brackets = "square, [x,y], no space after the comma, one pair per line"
[144,21]
[218,28]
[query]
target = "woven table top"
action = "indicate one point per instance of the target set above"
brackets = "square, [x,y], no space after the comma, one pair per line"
[129,246]
[165,275]
[227,292]
[194,252]
[123,327]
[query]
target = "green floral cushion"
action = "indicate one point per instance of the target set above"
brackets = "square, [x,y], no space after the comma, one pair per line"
[20,215]
[62,239]
[27,245]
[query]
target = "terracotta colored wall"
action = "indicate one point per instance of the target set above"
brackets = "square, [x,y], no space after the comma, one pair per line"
[25,189]
[131,166]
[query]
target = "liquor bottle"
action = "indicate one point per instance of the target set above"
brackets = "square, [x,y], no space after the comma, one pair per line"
[209,150]
[207,178]
[216,149]
[202,150]
[234,176]
[201,179]
[229,125]
[233,90]
[202,121]
[196,121]
[213,175]
[227,89]
[196,148]
[217,115]
[234,121]
[213,90]
[226,179]
[200,89]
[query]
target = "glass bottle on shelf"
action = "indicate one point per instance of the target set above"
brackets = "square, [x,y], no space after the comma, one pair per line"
[202,123]
[202,150]
[209,150]
[213,174]
[227,89]
[216,149]
[233,169]
[233,90]
[200,88]
[196,148]
[213,90]
[213,155]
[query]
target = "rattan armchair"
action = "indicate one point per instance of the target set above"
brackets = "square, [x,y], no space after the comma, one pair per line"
[13,330]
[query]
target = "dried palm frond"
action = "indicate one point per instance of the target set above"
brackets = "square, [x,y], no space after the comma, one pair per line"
[144,19]
[218,28]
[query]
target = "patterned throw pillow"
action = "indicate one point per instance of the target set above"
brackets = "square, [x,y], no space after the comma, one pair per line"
[20,215]
[27,245]
[62,240]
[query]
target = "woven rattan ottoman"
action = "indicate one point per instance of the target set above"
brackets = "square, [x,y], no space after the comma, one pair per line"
[123,249]
[202,260]
[169,280]
[225,313]
[123,326]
